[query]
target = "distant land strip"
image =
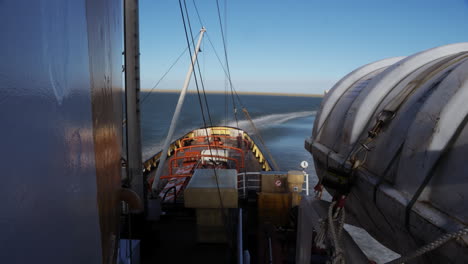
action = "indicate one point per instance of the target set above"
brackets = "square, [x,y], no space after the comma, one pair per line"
[240,93]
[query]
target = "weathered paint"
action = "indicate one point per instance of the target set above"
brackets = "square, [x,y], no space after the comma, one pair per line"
[426,137]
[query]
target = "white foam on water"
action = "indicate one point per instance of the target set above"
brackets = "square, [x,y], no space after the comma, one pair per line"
[270,120]
[260,122]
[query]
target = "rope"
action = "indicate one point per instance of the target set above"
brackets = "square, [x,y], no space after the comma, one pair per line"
[164,75]
[247,115]
[124,122]
[198,92]
[199,71]
[198,14]
[333,227]
[321,235]
[225,217]
[224,69]
[226,57]
[338,254]
[224,39]
[431,246]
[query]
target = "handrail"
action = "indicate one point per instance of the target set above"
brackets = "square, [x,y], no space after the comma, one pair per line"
[213,136]
[201,156]
[243,178]
[203,146]
[210,146]
[152,162]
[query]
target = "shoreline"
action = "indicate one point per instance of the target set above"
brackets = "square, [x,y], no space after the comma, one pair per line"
[239,93]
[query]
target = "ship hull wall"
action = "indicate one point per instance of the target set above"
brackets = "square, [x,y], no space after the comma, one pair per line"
[60,104]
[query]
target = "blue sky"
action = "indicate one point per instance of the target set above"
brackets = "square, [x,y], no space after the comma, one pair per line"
[293,46]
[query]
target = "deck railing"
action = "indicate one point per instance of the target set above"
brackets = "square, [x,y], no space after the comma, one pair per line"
[153,162]
[200,156]
[252,181]
[246,142]
[189,148]
[248,181]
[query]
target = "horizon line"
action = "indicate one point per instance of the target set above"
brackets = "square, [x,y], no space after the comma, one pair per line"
[238,92]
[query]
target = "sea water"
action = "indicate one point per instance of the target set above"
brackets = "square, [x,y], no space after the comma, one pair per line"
[284,122]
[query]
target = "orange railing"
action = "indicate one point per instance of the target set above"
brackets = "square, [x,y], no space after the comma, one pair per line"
[210,146]
[214,136]
[172,160]
[153,162]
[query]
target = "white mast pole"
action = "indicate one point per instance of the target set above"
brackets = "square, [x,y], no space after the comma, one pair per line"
[132,94]
[175,117]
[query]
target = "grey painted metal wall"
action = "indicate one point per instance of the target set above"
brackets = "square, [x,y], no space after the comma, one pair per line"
[423,139]
[60,114]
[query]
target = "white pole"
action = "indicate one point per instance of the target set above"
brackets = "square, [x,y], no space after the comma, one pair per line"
[175,117]
[306,182]
[132,94]
[240,246]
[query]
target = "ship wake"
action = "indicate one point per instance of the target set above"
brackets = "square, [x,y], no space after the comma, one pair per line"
[261,122]
[266,121]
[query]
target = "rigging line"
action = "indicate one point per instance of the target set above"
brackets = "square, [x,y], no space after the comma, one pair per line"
[223,38]
[198,67]
[226,225]
[226,58]
[124,122]
[164,75]
[259,137]
[204,57]
[203,115]
[225,19]
[234,108]
[198,14]
[226,107]
[200,101]
[224,69]
[190,52]
[226,81]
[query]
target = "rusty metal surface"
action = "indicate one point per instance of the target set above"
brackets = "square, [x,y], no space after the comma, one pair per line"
[105,60]
[60,88]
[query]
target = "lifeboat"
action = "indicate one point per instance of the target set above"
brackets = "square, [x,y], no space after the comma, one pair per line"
[392,136]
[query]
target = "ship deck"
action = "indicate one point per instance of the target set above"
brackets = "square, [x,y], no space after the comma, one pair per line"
[175,238]
[225,150]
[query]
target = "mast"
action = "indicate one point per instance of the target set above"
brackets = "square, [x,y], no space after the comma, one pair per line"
[175,117]
[132,100]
